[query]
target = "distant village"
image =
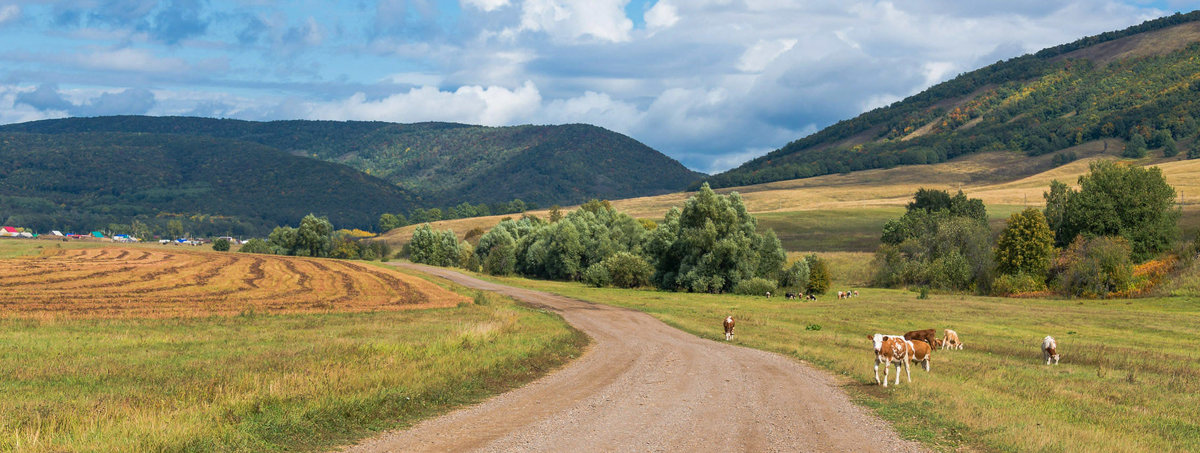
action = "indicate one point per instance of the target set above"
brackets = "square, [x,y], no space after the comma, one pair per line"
[98,236]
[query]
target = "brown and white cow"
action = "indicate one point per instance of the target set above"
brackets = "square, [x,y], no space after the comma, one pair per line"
[951,340]
[926,335]
[920,351]
[891,349]
[1050,350]
[728,328]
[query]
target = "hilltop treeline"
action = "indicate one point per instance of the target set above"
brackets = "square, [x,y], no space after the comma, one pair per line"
[1037,104]
[210,186]
[440,164]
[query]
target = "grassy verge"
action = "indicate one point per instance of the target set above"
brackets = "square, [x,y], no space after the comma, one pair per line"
[261,382]
[1129,378]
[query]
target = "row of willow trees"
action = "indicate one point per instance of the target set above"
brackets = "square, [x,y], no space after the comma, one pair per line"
[1086,242]
[711,245]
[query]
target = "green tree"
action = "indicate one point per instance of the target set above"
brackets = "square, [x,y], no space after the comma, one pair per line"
[796,276]
[555,214]
[313,237]
[710,245]
[1129,201]
[819,276]
[1026,244]
[1056,211]
[1169,147]
[434,248]
[221,245]
[389,222]
[1136,148]
[175,228]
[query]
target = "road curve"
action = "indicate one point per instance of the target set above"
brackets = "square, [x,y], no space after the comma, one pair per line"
[645,386]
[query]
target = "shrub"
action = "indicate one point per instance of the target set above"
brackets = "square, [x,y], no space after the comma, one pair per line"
[756,286]
[1095,267]
[597,275]
[221,245]
[436,248]
[819,278]
[796,276]
[256,245]
[1010,284]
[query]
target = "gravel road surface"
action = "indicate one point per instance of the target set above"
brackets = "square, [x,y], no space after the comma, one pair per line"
[646,386]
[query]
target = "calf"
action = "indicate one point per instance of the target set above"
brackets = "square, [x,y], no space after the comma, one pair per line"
[1050,349]
[728,328]
[891,349]
[926,335]
[951,340]
[920,352]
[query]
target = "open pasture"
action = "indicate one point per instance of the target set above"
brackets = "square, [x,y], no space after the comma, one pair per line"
[145,372]
[1129,379]
[117,281]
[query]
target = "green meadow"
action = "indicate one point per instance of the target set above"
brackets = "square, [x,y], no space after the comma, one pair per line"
[1129,379]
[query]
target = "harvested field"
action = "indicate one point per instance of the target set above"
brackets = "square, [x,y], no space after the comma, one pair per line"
[120,282]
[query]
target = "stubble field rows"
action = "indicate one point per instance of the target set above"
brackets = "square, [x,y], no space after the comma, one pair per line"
[134,282]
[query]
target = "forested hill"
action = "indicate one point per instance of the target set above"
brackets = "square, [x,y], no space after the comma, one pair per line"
[1140,84]
[85,181]
[443,164]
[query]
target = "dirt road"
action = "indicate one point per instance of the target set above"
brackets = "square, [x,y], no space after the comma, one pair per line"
[645,386]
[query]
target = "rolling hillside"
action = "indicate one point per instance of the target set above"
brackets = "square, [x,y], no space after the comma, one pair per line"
[441,164]
[86,181]
[1143,81]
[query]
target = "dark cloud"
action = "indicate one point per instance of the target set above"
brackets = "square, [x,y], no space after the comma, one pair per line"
[45,97]
[178,20]
[132,101]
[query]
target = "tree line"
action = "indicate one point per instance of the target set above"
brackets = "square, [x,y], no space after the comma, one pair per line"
[1085,242]
[710,244]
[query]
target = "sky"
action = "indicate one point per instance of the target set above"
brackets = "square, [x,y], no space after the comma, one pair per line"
[711,83]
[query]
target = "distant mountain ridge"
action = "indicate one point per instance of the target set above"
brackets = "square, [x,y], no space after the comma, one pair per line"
[1144,80]
[440,164]
[82,181]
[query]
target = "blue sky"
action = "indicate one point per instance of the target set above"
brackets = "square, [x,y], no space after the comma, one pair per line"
[711,83]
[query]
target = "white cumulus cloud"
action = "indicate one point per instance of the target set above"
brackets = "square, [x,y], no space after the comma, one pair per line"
[571,20]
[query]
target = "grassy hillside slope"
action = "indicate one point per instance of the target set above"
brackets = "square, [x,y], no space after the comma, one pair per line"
[847,211]
[442,164]
[1142,81]
[84,181]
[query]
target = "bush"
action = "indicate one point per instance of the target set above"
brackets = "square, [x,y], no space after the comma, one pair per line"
[796,276]
[819,277]
[256,245]
[1026,244]
[435,248]
[1009,284]
[627,270]
[221,245]
[1095,267]
[597,275]
[756,286]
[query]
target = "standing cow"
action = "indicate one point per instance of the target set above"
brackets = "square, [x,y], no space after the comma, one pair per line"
[728,328]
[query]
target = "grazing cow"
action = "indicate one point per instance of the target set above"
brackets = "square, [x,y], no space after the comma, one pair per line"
[926,335]
[856,293]
[789,296]
[937,343]
[891,349]
[768,294]
[1050,349]
[951,340]
[728,328]
[920,351]
[841,295]
[812,297]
